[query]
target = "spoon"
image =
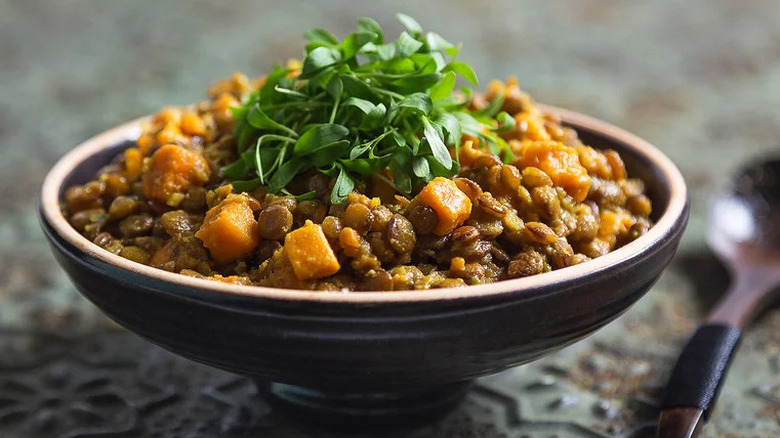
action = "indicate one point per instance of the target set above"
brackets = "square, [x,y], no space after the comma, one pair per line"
[744,232]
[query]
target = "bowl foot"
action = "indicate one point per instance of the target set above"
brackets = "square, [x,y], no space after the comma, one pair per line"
[366,410]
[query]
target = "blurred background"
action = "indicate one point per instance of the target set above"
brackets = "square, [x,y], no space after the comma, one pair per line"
[699,79]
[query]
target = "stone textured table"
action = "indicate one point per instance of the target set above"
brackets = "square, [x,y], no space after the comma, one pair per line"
[700,79]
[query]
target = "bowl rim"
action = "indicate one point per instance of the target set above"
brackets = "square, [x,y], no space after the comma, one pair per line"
[676,207]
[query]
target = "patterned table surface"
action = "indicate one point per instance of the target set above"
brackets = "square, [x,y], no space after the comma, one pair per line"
[700,79]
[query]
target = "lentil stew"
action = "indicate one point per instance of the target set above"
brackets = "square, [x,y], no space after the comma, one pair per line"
[522,194]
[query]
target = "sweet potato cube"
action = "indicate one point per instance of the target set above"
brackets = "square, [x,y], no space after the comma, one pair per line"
[309,252]
[451,205]
[133,163]
[230,231]
[173,169]
[560,162]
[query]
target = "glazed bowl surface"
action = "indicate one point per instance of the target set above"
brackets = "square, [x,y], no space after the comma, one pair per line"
[370,342]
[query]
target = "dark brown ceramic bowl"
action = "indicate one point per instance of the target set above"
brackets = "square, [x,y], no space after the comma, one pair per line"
[370,353]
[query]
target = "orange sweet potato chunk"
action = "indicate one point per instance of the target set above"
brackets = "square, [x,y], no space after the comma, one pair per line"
[230,231]
[309,252]
[133,163]
[451,205]
[173,169]
[560,162]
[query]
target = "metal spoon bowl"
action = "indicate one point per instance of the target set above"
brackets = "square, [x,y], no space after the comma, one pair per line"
[746,216]
[744,232]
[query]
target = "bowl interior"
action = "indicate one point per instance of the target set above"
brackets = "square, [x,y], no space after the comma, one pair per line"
[664,185]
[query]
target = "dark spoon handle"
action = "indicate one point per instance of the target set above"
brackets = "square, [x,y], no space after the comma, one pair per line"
[701,368]
[697,377]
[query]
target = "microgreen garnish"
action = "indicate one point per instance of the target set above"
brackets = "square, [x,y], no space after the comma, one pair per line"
[360,106]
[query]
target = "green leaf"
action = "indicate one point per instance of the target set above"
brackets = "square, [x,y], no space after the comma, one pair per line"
[265,158]
[438,58]
[239,113]
[444,88]
[386,52]
[456,103]
[438,170]
[367,24]
[356,87]
[417,102]
[260,120]
[464,70]
[321,36]
[375,116]
[398,139]
[505,122]
[247,132]
[286,172]
[306,196]
[319,135]
[451,125]
[400,66]
[342,188]
[281,90]
[435,42]
[492,108]
[416,83]
[360,150]
[326,154]
[423,63]
[317,60]
[354,42]
[420,167]
[438,149]
[509,156]
[492,144]
[331,171]
[335,87]
[363,105]
[454,51]
[365,167]
[407,45]
[468,124]
[245,186]
[430,66]
[400,166]
[240,168]
[409,23]
[268,94]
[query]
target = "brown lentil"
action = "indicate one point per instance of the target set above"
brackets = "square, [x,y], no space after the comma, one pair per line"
[135,254]
[539,232]
[275,222]
[400,234]
[526,263]
[359,217]
[178,223]
[123,206]
[423,219]
[381,218]
[534,177]
[469,187]
[331,226]
[377,280]
[136,225]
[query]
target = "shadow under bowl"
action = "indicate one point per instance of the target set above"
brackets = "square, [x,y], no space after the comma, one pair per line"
[395,356]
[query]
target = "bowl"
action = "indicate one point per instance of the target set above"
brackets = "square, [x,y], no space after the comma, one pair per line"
[370,355]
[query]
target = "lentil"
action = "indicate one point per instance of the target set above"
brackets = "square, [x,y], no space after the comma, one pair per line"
[275,222]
